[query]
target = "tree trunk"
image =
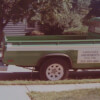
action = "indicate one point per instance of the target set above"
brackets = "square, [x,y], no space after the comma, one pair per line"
[1,35]
[1,29]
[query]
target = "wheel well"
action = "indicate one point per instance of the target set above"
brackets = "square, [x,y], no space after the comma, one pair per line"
[42,60]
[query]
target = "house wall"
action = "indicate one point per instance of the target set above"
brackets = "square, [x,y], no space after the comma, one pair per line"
[15,29]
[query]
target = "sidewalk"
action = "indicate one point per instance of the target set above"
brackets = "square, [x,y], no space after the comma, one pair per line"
[62,87]
[20,92]
[13,93]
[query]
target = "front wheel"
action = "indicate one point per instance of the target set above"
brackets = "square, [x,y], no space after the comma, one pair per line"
[54,69]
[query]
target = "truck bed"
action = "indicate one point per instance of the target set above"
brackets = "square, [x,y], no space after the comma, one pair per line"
[28,50]
[51,39]
[45,37]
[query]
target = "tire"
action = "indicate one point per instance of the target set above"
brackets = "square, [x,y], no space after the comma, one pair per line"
[54,69]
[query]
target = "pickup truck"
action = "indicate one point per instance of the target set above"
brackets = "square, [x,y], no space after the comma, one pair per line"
[53,56]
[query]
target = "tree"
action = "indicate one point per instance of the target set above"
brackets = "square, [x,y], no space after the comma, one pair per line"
[59,14]
[12,10]
[51,13]
[95,9]
[54,15]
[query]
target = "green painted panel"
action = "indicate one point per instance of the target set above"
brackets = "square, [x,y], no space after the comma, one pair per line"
[94,35]
[26,58]
[43,38]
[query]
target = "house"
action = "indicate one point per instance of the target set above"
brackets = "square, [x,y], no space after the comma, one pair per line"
[20,28]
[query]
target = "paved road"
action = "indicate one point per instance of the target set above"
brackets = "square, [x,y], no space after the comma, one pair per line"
[18,73]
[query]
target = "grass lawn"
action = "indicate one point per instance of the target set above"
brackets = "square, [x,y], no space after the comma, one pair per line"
[87,94]
[38,82]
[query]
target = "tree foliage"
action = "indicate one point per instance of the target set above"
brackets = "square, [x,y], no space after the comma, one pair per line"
[59,14]
[52,14]
[95,9]
[12,10]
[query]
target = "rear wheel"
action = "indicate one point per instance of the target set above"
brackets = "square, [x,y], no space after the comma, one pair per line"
[54,69]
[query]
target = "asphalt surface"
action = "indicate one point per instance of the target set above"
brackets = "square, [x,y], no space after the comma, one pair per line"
[18,73]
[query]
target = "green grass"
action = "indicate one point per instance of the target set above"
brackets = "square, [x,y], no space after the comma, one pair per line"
[38,82]
[86,94]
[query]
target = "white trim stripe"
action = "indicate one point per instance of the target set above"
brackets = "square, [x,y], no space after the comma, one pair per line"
[50,47]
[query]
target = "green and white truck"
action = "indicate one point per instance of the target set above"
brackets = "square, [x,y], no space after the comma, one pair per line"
[53,56]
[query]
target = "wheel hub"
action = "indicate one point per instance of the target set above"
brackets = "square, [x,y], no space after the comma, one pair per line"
[54,72]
